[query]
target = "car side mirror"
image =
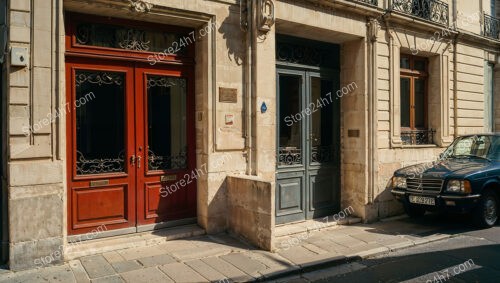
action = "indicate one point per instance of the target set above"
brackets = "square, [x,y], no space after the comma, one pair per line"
[441,155]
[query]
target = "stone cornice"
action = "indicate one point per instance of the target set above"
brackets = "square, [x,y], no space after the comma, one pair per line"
[400,20]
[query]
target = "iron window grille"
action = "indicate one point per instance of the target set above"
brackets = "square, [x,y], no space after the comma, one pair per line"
[370,2]
[431,10]
[491,27]
[417,137]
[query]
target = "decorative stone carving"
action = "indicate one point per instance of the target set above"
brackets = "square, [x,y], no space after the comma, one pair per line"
[140,6]
[265,15]
[373,29]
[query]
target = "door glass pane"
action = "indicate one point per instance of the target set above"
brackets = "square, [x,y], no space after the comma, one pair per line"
[321,132]
[100,122]
[419,103]
[405,102]
[167,136]
[290,120]
[111,36]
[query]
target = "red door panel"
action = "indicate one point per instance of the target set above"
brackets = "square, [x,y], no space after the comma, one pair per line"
[166,142]
[101,138]
[105,205]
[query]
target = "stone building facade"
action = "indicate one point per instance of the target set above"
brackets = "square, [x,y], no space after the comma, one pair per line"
[243,114]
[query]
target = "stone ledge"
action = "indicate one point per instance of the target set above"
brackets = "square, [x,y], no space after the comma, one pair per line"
[311,225]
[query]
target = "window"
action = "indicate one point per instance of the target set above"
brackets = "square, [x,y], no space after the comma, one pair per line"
[414,101]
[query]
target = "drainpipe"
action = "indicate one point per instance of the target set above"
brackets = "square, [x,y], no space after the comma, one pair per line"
[373,27]
[253,104]
[249,87]
[455,64]
[455,90]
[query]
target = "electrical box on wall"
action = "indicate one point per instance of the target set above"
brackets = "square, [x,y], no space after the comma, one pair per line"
[19,56]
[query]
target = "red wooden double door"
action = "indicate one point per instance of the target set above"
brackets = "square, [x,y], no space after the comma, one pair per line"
[130,144]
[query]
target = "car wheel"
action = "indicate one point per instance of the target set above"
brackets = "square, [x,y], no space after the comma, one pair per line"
[486,213]
[414,211]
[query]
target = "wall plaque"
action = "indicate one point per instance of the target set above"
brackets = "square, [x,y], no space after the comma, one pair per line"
[228,95]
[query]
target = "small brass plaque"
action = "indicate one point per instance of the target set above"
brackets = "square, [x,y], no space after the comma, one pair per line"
[228,95]
[166,178]
[353,133]
[99,183]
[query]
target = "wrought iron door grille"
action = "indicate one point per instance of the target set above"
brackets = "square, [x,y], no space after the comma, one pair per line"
[491,27]
[289,156]
[430,10]
[417,137]
[370,2]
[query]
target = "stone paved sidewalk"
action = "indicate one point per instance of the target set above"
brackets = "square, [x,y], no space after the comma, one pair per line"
[222,258]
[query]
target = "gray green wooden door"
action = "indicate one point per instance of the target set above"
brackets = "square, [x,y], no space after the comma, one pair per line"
[308,151]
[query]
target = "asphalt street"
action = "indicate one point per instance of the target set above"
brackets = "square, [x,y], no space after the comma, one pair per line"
[472,255]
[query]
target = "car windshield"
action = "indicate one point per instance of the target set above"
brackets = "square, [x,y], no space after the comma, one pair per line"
[479,146]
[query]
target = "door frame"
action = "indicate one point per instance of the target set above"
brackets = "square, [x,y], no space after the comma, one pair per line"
[306,170]
[135,138]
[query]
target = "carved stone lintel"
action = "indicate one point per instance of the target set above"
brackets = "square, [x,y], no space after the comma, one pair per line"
[373,29]
[265,15]
[140,6]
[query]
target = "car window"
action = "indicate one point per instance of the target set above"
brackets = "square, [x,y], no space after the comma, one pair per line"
[495,149]
[481,146]
[463,147]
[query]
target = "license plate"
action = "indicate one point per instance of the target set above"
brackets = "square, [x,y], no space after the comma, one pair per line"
[422,200]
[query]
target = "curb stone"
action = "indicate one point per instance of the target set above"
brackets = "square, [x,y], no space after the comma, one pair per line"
[339,260]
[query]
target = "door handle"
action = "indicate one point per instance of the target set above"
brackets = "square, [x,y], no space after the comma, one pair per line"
[139,161]
[132,160]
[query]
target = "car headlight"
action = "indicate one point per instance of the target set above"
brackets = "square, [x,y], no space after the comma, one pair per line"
[399,182]
[458,186]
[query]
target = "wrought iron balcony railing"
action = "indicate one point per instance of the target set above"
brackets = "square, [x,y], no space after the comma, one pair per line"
[370,2]
[491,27]
[432,10]
[418,137]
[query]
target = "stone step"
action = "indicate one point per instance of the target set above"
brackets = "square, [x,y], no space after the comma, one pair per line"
[135,240]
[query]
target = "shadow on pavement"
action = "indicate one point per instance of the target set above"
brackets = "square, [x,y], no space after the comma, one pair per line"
[467,264]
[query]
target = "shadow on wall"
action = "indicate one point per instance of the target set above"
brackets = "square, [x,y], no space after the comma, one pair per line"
[235,38]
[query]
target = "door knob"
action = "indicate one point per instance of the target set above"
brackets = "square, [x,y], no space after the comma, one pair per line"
[139,161]
[132,160]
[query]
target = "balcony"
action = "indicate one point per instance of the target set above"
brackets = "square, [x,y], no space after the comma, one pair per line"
[491,27]
[417,137]
[369,2]
[431,10]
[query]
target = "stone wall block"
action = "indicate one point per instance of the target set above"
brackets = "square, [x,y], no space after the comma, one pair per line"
[35,218]
[21,5]
[251,210]
[32,254]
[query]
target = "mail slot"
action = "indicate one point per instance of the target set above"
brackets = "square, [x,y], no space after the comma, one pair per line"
[166,178]
[99,183]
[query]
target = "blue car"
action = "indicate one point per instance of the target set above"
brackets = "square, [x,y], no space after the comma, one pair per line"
[465,179]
